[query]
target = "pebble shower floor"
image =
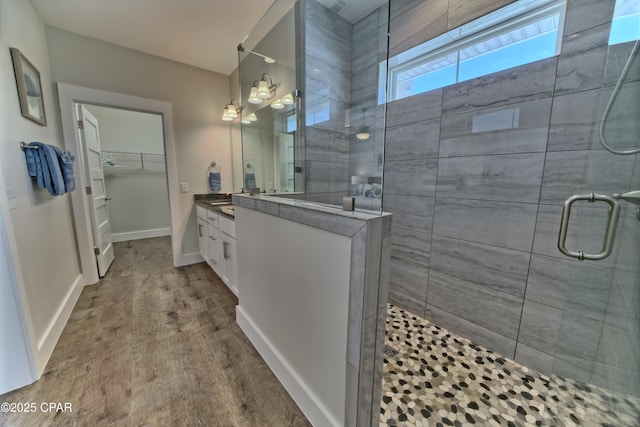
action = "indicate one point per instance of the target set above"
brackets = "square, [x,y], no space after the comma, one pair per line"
[440,379]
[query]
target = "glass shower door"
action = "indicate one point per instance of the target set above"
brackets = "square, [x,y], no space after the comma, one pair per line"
[599,337]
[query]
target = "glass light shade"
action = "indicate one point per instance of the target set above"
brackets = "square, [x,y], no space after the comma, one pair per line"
[253,96]
[269,60]
[287,99]
[226,118]
[363,134]
[277,104]
[231,111]
[252,117]
[245,121]
[263,90]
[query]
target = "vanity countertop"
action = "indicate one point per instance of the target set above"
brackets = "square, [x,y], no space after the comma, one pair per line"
[216,203]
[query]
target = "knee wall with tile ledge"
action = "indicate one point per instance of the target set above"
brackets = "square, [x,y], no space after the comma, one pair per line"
[312,285]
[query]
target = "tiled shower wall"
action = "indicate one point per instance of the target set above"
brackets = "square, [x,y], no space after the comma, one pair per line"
[477,211]
[327,79]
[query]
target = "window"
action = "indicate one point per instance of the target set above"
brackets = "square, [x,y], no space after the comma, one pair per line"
[523,32]
[318,112]
[625,26]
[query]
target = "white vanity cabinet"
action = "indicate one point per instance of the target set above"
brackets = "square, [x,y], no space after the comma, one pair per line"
[217,244]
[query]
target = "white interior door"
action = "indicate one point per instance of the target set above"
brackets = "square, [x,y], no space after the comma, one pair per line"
[95,192]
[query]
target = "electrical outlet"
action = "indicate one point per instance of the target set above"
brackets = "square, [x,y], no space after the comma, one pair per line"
[184,187]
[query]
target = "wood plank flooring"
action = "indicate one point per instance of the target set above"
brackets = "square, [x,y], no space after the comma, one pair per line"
[155,345]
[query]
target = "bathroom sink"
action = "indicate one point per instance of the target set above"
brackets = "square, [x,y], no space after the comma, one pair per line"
[220,203]
[229,210]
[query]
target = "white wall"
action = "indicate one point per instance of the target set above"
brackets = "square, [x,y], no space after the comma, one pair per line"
[197,96]
[288,270]
[47,267]
[139,205]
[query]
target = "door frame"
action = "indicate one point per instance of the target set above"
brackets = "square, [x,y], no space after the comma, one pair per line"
[69,96]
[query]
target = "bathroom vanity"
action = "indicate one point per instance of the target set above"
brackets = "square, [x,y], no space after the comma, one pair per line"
[217,239]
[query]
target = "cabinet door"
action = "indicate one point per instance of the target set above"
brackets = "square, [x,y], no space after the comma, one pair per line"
[203,238]
[214,247]
[229,259]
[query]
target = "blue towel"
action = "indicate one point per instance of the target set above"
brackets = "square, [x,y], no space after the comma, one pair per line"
[65,160]
[215,181]
[250,180]
[47,168]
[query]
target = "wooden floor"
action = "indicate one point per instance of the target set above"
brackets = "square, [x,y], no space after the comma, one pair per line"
[155,345]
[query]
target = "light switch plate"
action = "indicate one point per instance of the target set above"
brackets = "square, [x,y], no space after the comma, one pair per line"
[11,197]
[184,187]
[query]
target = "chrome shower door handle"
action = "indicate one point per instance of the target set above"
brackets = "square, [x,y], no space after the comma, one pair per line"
[607,247]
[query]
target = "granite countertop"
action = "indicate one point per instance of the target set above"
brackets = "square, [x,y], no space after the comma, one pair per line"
[219,203]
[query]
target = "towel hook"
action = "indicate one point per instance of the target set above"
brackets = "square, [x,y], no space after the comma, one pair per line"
[216,167]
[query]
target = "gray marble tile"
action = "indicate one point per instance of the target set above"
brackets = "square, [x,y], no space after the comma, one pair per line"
[547,282]
[327,36]
[411,245]
[588,289]
[413,141]
[410,177]
[268,207]
[573,121]
[357,282]
[244,202]
[569,370]
[540,326]
[463,11]
[410,212]
[622,380]
[326,146]
[534,359]
[337,112]
[372,268]
[351,396]
[408,285]
[507,177]
[505,224]
[617,57]
[327,80]
[365,26]
[578,339]
[364,84]
[324,221]
[584,14]
[400,7]
[423,21]
[491,267]
[517,128]
[476,333]
[416,108]
[327,177]
[496,311]
[515,85]
[367,373]
[622,125]
[581,64]
[565,173]
[365,47]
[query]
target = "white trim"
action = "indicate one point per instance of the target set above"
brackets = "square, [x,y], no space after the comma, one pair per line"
[142,234]
[69,96]
[308,402]
[49,339]
[188,259]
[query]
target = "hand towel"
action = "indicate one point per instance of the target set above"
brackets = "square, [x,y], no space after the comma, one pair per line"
[65,160]
[215,181]
[48,175]
[250,180]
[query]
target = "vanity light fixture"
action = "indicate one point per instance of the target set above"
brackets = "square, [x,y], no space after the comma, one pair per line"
[266,87]
[362,133]
[253,96]
[231,111]
[249,119]
[277,104]
[287,99]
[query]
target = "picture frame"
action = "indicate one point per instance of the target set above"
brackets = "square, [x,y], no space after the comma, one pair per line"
[29,88]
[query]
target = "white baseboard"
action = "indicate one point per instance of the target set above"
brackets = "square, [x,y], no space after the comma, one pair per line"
[299,391]
[48,340]
[143,234]
[187,259]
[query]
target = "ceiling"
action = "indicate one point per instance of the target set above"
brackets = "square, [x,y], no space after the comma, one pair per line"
[202,33]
